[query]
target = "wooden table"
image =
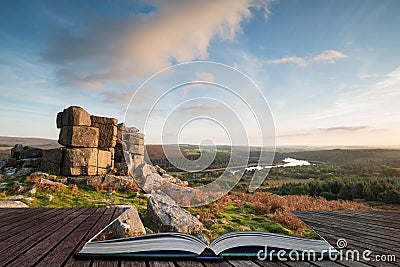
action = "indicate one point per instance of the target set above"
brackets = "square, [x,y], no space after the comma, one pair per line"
[50,237]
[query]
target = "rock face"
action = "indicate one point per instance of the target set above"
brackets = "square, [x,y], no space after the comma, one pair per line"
[80,161]
[151,178]
[13,204]
[152,182]
[23,160]
[74,116]
[126,225]
[32,163]
[138,160]
[147,178]
[112,182]
[79,136]
[25,152]
[104,162]
[16,151]
[51,160]
[107,131]
[131,142]
[30,152]
[80,132]
[120,183]
[164,211]
[93,145]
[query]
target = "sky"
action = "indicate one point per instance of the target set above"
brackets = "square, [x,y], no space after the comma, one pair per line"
[327,72]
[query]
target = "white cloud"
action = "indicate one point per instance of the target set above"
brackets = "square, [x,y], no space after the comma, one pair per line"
[297,60]
[346,128]
[205,76]
[327,56]
[111,50]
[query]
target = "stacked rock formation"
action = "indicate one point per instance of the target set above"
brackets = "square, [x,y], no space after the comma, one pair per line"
[90,145]
[129,147]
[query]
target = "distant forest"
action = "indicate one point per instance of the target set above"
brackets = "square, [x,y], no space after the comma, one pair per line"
[364,174]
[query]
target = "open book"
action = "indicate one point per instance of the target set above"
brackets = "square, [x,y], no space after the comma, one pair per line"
[233,244]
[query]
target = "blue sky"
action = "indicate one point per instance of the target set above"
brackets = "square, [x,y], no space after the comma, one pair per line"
[330,70]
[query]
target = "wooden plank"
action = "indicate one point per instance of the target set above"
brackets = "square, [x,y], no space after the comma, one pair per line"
[326,263]
[353,230]
[133,263]
[8,213]
[355,227]
[32,238]
[189,263]
[117,212]
[357,241]
[269,263]
[34,233]
[114,213]
[242,263]
[360,235]
[216,264]
[379,215]
[105,263]
[59,254]
[298,263]
[35,253]
[361,222]
[369,218]
[354,246]
[105,219]
[16,219]
[161,264]
[23,224]
[358,264]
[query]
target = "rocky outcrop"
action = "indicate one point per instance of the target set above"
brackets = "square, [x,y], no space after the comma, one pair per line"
[164,211]
[152,182]
[23,160]
[73,116]
[151,178]
[32,163]
[126,225]
[93,145]
[129,148]
[79,136]
[79,161]
[12,204]
[51,160]
[104,161]
[107,131]
[30,152]
[112,182]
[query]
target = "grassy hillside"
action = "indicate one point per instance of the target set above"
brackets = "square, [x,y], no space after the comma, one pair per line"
[390,157]
[7,143]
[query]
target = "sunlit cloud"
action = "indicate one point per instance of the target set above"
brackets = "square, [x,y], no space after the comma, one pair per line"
[297,60]
[345,128]
[113,49]
[327,56]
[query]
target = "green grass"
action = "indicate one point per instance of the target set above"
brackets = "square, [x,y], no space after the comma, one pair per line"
[245,219]
[70,197]
[83,197]
[232,218]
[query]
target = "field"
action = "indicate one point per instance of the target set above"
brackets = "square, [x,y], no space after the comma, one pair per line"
[262,211]
[338,179]
[7,143]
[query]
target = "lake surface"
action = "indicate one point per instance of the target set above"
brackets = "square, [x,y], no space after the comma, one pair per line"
[287,162]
